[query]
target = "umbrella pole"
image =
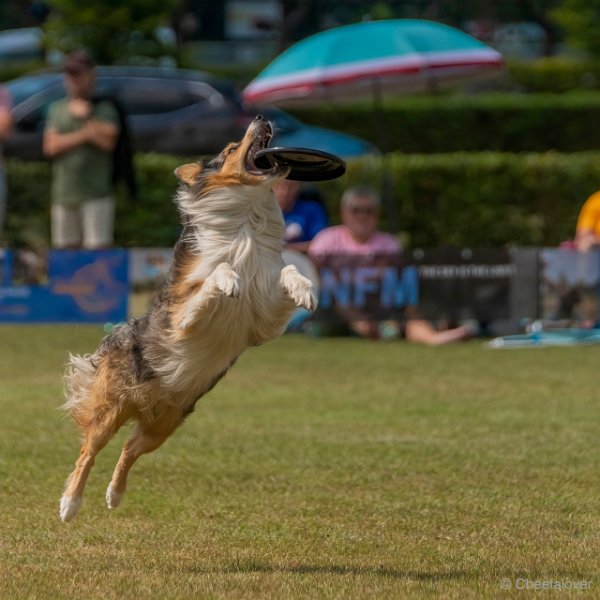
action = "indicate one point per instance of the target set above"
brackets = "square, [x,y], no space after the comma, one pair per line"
[379,115]
[387,192]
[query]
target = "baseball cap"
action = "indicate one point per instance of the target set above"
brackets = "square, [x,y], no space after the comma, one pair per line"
[78,61]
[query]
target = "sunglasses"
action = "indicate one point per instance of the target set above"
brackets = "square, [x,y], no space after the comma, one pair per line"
[363,210]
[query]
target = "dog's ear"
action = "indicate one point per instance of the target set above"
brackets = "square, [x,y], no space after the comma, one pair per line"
[188,173]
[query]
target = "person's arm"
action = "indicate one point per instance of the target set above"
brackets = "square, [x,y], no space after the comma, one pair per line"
[99,132]
[55,143]
[6,122]
[419,330]
[298,246]
[104,126]
[587,224]
[103,134]
[322,244]
[586,239]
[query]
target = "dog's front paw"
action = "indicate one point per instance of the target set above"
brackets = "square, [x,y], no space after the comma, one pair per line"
[225,280]
[298,288]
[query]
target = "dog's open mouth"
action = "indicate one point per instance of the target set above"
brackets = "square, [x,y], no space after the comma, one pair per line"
[261,141]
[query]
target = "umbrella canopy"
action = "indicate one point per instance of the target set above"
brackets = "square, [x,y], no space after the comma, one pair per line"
[382,57]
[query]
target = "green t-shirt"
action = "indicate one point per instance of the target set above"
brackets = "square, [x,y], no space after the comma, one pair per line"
[83,173]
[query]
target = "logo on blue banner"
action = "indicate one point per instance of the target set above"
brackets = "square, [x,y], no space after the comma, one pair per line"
[392,288]
[380,286]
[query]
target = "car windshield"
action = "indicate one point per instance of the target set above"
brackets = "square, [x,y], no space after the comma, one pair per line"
[25,87]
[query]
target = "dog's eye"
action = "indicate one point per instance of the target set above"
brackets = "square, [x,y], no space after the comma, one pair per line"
[232,149]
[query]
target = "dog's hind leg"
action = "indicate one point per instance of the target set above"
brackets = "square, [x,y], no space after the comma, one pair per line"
[97,433]
[147,437]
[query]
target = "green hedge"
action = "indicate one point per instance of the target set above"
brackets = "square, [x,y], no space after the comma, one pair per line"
[500,122]
[466,199]
[10,70]
[482,199]
[555,74]
[150,221]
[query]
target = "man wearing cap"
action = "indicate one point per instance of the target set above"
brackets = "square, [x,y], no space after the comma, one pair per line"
[80,137]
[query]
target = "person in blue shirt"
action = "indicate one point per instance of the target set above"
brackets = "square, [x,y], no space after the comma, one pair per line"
[304,215]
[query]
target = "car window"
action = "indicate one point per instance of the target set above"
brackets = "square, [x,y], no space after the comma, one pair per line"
[25,87]
[33,111]
[104,87]
[155,96]
[281,120]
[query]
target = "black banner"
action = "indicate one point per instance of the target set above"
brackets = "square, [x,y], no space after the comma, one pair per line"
[450,284]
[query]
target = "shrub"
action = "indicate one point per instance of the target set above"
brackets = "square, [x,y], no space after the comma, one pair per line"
[484,199]
[150,221]
[500,122]
[465,199]
[555,74]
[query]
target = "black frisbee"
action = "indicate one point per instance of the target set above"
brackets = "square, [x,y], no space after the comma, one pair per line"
[305,164]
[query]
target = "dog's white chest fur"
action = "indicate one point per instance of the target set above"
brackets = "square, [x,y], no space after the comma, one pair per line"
[246,295]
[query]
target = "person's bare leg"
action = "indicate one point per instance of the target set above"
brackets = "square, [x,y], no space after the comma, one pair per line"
[418,330]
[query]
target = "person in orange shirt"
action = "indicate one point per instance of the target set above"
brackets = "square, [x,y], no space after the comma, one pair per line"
[587,231]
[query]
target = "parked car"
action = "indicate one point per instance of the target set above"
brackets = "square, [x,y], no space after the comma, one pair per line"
[292,133]
[173,111]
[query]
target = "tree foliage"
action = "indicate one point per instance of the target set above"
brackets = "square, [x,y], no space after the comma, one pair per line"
[112,30]
[580,19]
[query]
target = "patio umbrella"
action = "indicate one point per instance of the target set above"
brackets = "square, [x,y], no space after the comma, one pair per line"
[370,60]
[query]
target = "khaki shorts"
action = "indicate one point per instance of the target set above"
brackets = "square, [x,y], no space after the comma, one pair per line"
[89,225]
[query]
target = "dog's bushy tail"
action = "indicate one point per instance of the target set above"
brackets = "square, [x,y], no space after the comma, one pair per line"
[78,379]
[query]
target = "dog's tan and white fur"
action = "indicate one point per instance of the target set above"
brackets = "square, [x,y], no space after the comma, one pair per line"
[227,289]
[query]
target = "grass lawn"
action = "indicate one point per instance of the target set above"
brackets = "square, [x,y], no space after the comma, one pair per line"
[333,468]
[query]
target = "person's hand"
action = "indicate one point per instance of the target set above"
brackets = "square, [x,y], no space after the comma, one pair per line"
[91,126]
[364,328]
[585,242]
[80,108]
[87,132]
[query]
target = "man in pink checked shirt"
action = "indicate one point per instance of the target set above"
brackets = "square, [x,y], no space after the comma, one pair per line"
[358,236]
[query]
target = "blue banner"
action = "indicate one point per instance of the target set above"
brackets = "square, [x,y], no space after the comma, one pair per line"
[82,287]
